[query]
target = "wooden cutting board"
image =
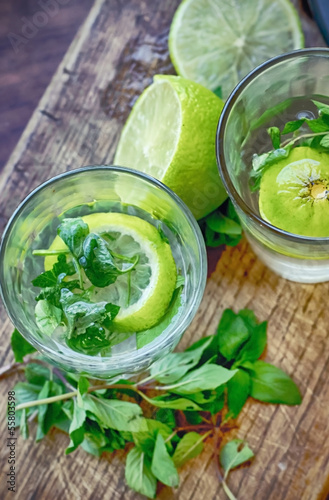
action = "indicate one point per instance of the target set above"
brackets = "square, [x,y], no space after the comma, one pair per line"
[78,121]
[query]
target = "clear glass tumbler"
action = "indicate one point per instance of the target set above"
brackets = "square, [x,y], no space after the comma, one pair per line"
[274,93]
[78,193]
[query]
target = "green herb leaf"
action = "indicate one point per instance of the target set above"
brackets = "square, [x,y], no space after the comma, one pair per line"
[98,262]
[167,417]
[292,126]
[222,227]
[56,275]
[234,453]
[47,316]
[172,402]
[20,346]
[80,313]
[318,125]
[190,446]
[73,232]
[180,281]
[221,224]
[138,473]
[83,385]
[232,333]
[272,385]
[76,430]
[323,108]
[325,141]
[94,442]
[207,377]
[47,414]
[275,135]
[163,467]
[116,414]
[175,365]
[238,390]
[255,345]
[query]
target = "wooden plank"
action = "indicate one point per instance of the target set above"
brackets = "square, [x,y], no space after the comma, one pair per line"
[78,122]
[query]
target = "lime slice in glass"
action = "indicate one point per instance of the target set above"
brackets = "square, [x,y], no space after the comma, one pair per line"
[144,297]
[218,42]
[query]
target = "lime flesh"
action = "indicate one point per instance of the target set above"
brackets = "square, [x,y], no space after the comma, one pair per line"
[170,134]
[218,42]
[294,193]
[152,281]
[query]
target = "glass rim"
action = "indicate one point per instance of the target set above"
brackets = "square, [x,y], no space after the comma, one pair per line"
[221,163]
[127,359]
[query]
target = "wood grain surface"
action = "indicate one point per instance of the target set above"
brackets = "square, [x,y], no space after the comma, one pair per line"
[78,121]
[26,68]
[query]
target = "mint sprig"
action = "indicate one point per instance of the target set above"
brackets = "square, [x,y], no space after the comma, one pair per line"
[317,137]
[190,396]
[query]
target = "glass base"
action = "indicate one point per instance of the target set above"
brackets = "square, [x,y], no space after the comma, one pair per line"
[291,268]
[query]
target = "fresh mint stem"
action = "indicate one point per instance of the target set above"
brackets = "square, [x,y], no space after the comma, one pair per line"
[290,142]
[45,253]
[78,270]
[128,289]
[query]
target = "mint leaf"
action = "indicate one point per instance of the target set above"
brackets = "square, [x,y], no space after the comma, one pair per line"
[234,453]
[56,275]
[325,141]
[323,108]
[271,385]
[238,390]
[172,402]
[207,377]
[76,430]
[190,446]
[138,473]
[175,365]
[292,126]
[97,261]
[219,223]
[20,346]
[47,316]
[167,417]
[222,227]
[73,232]
[47,414]
[94,442]
[275,135]
[115,414]
[83,385]
[162,466]
[320,124]
[232,333]
[253,348]
[80,313]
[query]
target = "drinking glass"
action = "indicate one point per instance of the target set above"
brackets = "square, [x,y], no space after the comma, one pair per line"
[77,193]
[274,93]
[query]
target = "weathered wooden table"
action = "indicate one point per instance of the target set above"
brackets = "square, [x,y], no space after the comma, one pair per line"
[119,48]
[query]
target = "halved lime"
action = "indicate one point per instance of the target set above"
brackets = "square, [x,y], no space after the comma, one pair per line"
[218,42]
[145,296]
[170,134]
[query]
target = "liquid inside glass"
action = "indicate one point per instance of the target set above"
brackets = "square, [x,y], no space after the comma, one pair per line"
[120,342]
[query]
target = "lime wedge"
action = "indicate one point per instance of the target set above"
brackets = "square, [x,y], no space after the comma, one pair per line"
[170,134]
[145,298]
[218,42]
